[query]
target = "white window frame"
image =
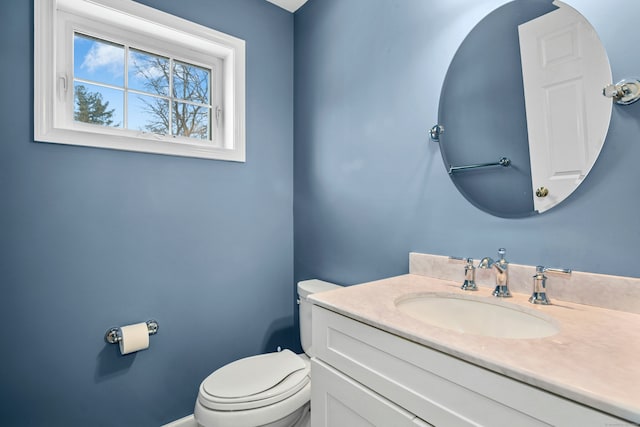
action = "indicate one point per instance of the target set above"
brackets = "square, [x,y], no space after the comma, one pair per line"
[145,28]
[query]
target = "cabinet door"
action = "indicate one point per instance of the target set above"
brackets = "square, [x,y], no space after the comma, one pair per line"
[339,401]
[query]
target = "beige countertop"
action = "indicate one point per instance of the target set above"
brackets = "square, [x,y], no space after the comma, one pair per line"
[594,359]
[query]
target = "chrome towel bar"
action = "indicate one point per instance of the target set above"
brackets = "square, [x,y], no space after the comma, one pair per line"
[502,162]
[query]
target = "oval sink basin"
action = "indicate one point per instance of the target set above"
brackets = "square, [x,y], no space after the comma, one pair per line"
[477,316]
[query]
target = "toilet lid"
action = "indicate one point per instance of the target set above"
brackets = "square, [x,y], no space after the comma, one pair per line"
[255,381]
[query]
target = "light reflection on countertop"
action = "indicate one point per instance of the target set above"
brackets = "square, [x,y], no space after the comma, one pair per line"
[594,359]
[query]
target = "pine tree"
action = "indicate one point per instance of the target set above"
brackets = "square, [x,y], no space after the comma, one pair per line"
[90,108]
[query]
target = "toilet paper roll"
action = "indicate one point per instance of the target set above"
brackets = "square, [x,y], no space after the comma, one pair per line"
[134,338]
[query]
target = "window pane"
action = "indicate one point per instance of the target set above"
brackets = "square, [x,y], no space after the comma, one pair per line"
[148,114]
[98,60]
[98,105]
[148,73]
[192,121]
[191,83]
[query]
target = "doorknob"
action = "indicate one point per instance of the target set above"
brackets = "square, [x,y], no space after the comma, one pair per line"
[542,192]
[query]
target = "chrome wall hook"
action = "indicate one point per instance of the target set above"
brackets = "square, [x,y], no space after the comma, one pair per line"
[625,92]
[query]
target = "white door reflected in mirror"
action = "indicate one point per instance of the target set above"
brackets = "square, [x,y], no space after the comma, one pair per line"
[563,64]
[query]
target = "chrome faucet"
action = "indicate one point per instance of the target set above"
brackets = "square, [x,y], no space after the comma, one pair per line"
[539,295]
[502,273]
[469,276]
[469,283]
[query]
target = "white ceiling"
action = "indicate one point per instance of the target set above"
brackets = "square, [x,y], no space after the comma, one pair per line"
[290,5]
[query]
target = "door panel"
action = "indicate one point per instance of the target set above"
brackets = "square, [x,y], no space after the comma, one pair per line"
[564,68]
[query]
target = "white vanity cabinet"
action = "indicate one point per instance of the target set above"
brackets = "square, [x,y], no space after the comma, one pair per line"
[364,376]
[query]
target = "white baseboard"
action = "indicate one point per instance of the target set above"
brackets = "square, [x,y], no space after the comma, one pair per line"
[187,421]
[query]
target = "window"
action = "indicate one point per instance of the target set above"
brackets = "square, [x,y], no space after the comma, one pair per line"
[129,77]
[160,95]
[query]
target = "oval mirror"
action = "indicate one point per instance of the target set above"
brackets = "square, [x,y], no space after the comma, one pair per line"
[522,108]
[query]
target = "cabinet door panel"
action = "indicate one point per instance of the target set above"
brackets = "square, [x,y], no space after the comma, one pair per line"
[339,401]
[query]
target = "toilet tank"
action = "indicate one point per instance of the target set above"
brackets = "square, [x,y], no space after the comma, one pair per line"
[306,288]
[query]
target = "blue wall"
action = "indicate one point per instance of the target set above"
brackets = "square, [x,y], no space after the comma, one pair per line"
[96,238]
[370,186]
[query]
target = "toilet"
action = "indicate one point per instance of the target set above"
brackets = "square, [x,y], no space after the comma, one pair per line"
[268,390]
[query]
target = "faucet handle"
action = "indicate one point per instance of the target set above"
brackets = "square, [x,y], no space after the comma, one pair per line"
[502,261]
[469,283]
[458,258]
[468,261]
[539,294]
[543,269]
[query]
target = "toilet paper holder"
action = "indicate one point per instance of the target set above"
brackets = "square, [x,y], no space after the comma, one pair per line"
[114,335]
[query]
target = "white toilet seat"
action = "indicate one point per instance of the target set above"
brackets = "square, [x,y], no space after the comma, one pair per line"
[254,417]
[255,390]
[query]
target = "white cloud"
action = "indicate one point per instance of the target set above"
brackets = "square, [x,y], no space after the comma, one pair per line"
[104,57]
